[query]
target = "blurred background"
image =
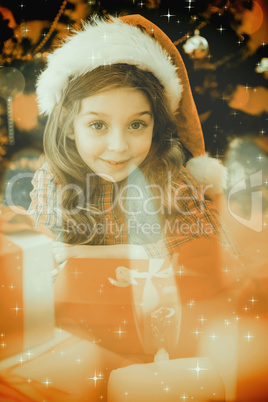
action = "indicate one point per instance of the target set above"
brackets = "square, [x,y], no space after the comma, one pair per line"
[223,45]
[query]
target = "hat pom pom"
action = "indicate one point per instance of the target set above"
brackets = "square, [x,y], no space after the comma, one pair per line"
[209,173]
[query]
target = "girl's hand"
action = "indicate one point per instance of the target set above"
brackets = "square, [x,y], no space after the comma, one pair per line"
[62,251]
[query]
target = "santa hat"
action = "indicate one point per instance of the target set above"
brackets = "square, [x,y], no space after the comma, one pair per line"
[134,40]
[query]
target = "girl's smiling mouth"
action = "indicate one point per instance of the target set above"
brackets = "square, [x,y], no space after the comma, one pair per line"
[115,164]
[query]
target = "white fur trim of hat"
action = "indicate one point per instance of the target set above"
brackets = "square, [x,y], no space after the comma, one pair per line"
[209,173]
[103,43]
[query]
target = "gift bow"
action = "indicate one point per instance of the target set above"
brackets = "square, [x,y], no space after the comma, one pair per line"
[150,298]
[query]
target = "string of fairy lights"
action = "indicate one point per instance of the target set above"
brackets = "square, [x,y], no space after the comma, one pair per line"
[14,50]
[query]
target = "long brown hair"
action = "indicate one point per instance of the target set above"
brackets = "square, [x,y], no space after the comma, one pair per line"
[61,153]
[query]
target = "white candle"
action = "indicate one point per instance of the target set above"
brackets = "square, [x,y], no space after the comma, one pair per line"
[167,381]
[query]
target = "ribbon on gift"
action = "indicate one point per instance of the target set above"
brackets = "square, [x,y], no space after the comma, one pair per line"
[127,277]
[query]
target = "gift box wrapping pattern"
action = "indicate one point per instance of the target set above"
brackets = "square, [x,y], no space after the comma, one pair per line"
[26,292]
[88,304]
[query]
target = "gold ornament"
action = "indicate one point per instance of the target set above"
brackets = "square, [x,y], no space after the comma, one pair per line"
[196,46]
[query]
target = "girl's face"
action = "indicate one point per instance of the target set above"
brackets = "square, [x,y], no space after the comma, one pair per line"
[113,132]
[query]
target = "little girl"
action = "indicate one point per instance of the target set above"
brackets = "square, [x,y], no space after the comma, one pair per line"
[121,124]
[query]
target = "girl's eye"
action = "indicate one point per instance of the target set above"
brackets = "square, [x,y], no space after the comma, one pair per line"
[97,125]
[137,125]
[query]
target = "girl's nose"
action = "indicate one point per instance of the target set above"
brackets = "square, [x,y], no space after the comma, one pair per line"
[117,141]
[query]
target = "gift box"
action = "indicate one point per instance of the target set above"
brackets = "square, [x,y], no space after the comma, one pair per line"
[239,352]
[230,326]
[235,336]
[232,330]
[26,292]
[129,306]
[66,368]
